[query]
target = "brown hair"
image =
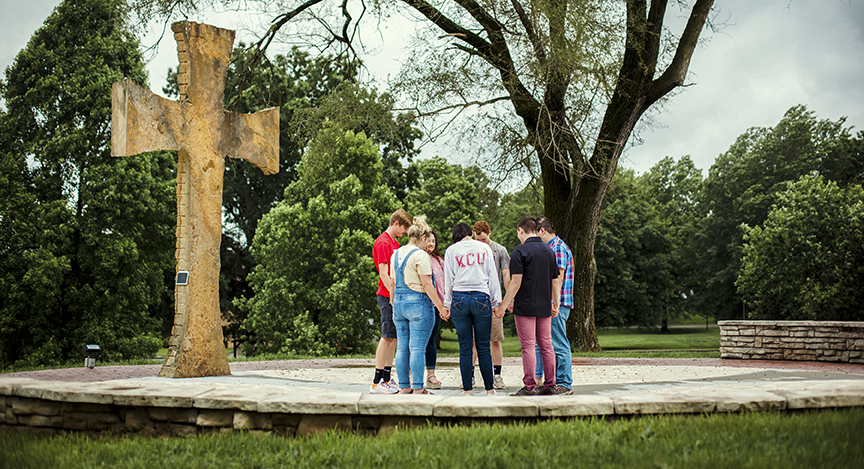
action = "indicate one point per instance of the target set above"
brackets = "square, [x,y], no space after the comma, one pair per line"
[482,227]
[402,217]
[546,224]
[435,252]
[528,224]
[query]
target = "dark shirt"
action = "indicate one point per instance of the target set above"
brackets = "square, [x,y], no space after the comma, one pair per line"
[535,261]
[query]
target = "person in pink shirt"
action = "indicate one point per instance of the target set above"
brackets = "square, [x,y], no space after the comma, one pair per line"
[437,261]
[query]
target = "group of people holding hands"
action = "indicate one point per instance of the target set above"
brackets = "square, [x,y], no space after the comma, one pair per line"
[418,288]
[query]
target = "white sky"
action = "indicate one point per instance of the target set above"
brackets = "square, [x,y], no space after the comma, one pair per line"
[770,56]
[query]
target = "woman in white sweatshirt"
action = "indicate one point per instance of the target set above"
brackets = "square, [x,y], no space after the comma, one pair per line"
[471,291]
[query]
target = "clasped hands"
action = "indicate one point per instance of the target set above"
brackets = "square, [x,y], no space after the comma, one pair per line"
[444,313]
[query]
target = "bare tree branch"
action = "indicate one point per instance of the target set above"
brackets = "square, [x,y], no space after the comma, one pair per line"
[677,70]
[465,104]
[539,51]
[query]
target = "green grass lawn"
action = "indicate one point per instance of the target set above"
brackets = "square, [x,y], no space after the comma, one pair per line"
[678,342]
[830,439]
[695,338]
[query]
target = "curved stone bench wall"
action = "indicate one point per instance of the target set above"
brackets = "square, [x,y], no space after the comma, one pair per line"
[833,341]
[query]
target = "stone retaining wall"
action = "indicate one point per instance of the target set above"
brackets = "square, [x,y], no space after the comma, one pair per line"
[833,341]
[160,408]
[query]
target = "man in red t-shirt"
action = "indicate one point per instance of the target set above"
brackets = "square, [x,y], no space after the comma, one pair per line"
[383,248]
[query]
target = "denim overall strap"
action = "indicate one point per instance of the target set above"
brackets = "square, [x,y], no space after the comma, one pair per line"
[400,272]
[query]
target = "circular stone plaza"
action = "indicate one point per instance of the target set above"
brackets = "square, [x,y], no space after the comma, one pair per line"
[297,397]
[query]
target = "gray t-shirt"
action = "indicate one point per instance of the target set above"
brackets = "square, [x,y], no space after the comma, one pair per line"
[500,256]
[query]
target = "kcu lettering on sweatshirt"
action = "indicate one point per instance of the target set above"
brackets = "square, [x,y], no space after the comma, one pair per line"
[471,259]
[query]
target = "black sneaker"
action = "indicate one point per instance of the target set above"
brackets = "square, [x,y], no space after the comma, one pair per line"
[548,391]
[562,390]
[525,392]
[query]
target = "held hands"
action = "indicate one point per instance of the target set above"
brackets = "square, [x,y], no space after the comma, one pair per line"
[445,313]
[554,310]
[499,312]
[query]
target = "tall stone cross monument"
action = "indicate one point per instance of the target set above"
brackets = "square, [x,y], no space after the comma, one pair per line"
[203,133]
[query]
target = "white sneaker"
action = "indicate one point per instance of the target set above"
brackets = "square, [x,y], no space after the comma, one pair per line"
[498,382]
[394,384]
[382,388]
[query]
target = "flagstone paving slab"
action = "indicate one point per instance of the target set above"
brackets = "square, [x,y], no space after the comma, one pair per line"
[575,405]
[488,407]
[313,402]
[400,404]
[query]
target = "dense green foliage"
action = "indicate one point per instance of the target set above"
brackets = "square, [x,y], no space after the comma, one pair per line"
[806,262]
[744,183]
[829,438]
[86,239]
[449,194]
[315,284]
[633,250]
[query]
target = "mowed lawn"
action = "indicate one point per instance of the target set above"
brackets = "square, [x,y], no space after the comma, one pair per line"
[829,438]
[697,339]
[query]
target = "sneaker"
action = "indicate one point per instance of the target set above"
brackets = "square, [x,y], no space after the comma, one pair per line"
[547,391]
[473,382]
[498,382]
[433,383]
[493,393]
[383,388]
[562,390]
[525,392]
[393,384]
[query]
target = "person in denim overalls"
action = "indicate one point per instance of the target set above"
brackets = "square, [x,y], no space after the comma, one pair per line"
[413,310]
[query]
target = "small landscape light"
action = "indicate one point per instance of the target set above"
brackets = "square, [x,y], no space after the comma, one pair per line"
[91,350]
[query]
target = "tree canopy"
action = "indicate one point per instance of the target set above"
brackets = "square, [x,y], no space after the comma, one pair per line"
[315,282]
[806,261]
[86,238]
[744,183]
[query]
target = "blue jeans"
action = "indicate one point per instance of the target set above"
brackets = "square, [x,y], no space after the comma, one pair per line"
[472,316]
[432,347]
[563,357]
[414,316]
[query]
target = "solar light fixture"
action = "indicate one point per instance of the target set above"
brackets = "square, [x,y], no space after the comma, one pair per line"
[91,350]
[182,278]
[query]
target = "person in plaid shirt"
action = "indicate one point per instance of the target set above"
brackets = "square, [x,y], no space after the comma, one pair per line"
[563,357]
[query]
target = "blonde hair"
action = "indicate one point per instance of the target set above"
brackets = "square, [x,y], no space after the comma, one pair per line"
[419,228]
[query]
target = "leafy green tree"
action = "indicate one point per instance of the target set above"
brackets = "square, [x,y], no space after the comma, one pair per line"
[744,183]
[673,189]
[87,238]
[353,106]
[634,257]
[526,202]
[575,76]
[315,283]
[806,261]
[449,194]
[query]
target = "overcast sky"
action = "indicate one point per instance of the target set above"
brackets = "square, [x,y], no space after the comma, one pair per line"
[771,55]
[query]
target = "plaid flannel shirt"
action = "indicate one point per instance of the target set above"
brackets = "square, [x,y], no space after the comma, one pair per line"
[564,258]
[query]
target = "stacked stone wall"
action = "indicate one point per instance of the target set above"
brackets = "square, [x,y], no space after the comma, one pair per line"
[832,341]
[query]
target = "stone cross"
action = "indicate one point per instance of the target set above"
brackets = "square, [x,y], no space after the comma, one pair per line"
[203,133]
